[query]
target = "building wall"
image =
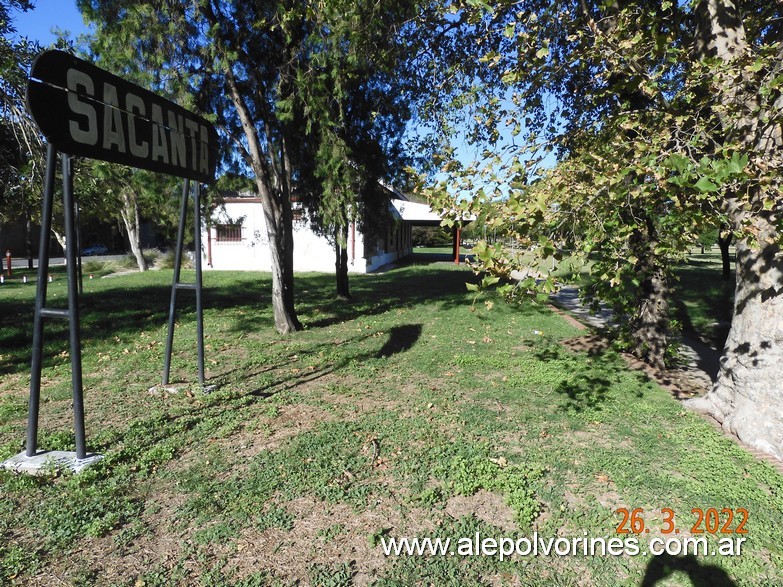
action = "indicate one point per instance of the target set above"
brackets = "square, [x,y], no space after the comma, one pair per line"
[249,250]
[396,244]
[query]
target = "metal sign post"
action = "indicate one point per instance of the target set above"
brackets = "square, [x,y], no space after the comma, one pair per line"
[85,111]
[177,285]
[33,460]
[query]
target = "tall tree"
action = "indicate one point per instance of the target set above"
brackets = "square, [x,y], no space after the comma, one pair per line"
[276,77]
[743,43]
[352,100]
[21,148]
[108,190]
[665,117]
[235,61]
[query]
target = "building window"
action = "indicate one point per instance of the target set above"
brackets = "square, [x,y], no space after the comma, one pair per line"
[228,233]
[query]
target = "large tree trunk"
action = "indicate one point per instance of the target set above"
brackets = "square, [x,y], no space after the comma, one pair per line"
[130,217]
[747,398]
[281,248]
[650,325]
[272,176]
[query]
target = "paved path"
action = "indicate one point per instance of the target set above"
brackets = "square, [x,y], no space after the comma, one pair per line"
[700,361]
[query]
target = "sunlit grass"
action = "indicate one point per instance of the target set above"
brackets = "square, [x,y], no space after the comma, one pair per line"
[399,414]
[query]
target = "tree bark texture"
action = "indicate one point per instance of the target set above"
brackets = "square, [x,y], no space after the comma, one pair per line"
[281,239]
[650,325]
[130,218]
[747,397]
[272,180]
[341,263]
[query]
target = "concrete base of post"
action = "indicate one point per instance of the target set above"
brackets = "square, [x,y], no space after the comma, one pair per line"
[174,389]
[48,461]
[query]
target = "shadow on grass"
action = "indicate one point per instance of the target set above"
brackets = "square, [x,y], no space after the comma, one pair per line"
[147,432]
[401,339]
[588,388]
[132,307]
[664,566]
[704,303]
[378,293]
[584,392]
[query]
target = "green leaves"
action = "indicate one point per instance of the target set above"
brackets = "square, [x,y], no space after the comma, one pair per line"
[706,185]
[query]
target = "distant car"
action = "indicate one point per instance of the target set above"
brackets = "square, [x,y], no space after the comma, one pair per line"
[93,250]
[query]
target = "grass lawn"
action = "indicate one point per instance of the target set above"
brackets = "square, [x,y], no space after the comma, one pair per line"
[704,301]
[403,414]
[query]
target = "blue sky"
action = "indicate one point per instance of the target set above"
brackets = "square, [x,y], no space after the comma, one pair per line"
[37,24]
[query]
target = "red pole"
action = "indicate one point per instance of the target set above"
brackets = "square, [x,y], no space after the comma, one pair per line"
[9,272]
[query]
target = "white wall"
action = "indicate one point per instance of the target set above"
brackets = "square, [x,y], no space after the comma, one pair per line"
[311,252]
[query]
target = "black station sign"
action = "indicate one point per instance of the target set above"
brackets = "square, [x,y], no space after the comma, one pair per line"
[88,112]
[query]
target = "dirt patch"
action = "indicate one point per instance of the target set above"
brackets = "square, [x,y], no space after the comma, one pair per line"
[291,420]
[610,499]
[107,563]
[356,405]
[268,432]
[486,506]
[329,535]
[587,439]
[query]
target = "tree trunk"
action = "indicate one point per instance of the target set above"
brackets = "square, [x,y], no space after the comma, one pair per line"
[60,238]
[724,244]
[272,176]
[747,398]
[130,217]
[281,240]
[341,263]
[649,326]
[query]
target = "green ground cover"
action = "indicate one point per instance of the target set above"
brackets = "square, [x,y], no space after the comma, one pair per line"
[703,299]
[407,413]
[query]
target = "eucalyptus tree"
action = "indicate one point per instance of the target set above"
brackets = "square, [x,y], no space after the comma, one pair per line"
[664,118]
[237,62]
[275,83]
[111,191]
[21,148]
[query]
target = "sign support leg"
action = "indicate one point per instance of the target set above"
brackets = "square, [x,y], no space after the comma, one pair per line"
[40,301]
[73,307]
[178,285]
[199,281]
[183,211]
[32,460]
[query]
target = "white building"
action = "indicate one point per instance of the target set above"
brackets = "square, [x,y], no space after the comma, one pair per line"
[237,238]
